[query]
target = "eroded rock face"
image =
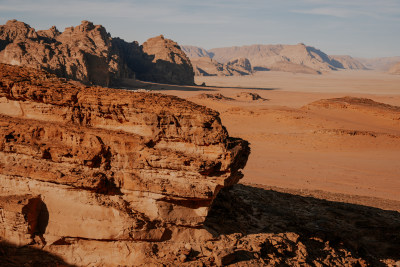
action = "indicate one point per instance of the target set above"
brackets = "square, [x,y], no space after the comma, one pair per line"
[170,63]
[87,53]
[108,165]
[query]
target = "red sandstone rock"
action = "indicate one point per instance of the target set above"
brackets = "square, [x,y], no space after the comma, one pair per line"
[109,164]
[88,53]
[171,63]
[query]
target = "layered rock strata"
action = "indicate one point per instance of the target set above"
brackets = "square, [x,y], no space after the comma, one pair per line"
[94,165]
[89,54]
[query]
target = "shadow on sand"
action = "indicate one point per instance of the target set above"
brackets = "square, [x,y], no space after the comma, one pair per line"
[369,233]
[132,84]
[246,88]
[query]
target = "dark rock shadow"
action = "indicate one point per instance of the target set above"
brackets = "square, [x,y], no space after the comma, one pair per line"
[14,256]
[131,84]
[43,220]
[246,88]
[370,233]
[261,69]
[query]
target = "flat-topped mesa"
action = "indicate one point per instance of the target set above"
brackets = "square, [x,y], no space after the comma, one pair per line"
[150,160]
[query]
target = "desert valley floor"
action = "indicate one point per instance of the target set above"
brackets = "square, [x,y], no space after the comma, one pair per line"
[343,149]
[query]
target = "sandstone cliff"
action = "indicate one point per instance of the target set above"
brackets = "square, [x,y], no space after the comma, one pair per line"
[87,53]
[86,169]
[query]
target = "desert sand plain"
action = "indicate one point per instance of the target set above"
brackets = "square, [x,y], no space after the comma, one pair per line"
[344,150]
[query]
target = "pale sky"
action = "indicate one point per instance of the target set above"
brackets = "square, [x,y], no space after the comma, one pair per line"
[360,28]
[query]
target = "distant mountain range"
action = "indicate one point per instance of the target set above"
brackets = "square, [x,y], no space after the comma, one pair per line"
[298,58]
[380,63]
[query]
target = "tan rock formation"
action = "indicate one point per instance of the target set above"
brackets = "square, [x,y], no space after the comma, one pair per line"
[206,66]
[265,56]
[88,53]
[213,96]
[248,96]
[240,65]
[171,63]
[348,62]
[195,52]
[112,168]
[289,58]
[82,53]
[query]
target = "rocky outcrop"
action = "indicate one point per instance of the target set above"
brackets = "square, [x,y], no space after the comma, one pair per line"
[82,53]
[206,66]
[248,96]
[87,53]
[90,167]
[170,63]
[240,65]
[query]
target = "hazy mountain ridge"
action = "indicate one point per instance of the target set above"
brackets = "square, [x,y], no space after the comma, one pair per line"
[349,62]
[195,51]
[380,63]
[291,58]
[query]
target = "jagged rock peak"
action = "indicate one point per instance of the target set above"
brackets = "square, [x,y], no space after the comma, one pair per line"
[51,33]
[15,30]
